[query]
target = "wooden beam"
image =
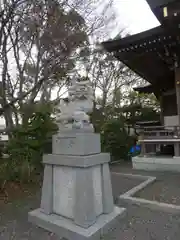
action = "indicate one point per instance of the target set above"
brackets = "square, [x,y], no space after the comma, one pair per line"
[177,85]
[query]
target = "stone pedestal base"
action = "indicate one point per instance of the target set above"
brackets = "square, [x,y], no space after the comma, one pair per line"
[77,201]
[66,228]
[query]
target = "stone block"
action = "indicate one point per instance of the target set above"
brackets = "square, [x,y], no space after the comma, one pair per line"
[108,203]
[47,190]
[64,191]
[76,144]
[66,228]
[76,161]
[75,189]
[85,198]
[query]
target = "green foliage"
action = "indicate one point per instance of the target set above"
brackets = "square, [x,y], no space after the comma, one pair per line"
[115,139]
[130,108]
[112,120]
[27,144]
[140,107]
[56,31]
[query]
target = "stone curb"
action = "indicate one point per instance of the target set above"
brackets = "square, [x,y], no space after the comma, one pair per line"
[114,162]
[139,187]
[130,175]
[154,205]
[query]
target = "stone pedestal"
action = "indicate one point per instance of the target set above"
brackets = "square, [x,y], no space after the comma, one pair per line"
[77,201]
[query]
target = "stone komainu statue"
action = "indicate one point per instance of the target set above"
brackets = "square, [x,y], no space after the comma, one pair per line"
[74,111]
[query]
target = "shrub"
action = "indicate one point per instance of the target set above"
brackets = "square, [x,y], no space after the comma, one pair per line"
[27,144]
[115,139]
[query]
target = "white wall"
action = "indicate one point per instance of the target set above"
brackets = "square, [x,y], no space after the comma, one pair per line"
[171,120]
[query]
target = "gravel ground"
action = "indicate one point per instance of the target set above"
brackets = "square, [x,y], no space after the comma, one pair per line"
[121,184]
[140,223]
[165,189]
[14,224]
[144,224]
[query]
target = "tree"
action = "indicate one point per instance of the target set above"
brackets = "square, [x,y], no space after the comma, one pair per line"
[130,108]
[42,37]
[110,78]
[40,43]
[99,15]
[40,50]
[140,107]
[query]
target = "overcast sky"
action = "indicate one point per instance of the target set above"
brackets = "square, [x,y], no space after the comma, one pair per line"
[135,15]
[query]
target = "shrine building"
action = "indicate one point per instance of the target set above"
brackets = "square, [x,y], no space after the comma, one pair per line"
[155,56]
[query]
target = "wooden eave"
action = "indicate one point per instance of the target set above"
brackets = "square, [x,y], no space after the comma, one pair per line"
[144,89]
[158,3]
[151,54]
[157,7]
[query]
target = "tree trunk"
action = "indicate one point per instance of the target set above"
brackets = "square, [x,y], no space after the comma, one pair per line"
[9,121]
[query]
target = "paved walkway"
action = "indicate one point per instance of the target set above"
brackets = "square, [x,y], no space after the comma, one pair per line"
[165,189]
[142,223]
[139,223]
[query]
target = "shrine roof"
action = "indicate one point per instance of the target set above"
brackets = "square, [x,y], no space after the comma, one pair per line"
[147,88]
[157,7]
[159,3]
[151,54]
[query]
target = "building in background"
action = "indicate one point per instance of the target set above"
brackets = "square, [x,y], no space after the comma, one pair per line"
[155,56]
